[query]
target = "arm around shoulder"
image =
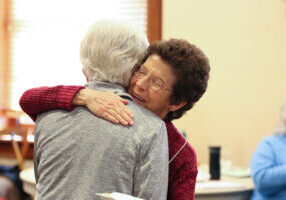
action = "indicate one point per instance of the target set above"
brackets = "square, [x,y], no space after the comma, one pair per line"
[37,100]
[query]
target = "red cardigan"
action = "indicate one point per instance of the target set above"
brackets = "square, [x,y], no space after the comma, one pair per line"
[183,162]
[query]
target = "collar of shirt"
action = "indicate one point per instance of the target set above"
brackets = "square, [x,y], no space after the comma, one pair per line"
[109,87]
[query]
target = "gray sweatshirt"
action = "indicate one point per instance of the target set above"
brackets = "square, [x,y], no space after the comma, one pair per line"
[78,154]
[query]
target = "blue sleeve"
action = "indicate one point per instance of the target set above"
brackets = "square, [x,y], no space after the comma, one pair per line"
[268,176]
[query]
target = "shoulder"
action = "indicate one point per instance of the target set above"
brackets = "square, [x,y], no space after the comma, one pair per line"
[265,150]
[187,156]
[183,154]
[145,119]
[177,140]
[51,116]
[265,145]
[271,141]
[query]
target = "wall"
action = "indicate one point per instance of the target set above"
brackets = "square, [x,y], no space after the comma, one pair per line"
[245,41]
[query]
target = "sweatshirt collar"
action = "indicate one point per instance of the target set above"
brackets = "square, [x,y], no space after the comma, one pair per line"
[108,87]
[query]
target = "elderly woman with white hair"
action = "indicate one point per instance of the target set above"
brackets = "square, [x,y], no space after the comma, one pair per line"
[268,164]
[77,154]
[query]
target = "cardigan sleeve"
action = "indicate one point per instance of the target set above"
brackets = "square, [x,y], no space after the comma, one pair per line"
[41,99]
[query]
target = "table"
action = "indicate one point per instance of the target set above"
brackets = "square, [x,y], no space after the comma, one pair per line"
[227,193]
[29,182]
[242,189]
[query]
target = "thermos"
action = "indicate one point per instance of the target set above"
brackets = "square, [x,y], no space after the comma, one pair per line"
[214,162]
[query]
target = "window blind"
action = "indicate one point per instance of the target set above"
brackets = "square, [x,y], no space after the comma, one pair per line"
[46,36]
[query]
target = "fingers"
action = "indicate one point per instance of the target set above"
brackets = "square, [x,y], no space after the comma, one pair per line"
[113,112]
[109,117]
[111,107]
[124,108]
[112,116]
[121,119]
[121,114]
[124,101]
[125,117]
[123,111]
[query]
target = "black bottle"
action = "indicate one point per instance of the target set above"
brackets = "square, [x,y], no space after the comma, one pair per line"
[214,162]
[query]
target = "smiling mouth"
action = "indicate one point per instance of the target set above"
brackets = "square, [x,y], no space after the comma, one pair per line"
[137,98]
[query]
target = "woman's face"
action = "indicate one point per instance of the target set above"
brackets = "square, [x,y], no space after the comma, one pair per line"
[151,85]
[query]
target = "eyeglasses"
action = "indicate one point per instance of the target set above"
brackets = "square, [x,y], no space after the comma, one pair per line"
[154,83]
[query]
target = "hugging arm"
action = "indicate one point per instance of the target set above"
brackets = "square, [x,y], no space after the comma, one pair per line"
[41,99]
[106,105]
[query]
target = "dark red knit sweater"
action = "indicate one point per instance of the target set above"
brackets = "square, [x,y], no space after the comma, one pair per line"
[183,166]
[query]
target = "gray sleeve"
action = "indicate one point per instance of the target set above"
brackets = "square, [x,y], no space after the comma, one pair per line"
[36,167]
[35,155]
[151,172]
[37,149]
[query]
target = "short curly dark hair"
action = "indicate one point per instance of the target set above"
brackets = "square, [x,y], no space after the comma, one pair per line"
[191,67]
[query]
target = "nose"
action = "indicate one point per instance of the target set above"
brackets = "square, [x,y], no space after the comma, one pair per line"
[142,83]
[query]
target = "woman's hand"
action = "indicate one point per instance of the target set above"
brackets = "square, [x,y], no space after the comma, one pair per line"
[106,105]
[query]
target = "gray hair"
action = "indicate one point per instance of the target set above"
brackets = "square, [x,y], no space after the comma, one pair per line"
[281,125]
[110,49]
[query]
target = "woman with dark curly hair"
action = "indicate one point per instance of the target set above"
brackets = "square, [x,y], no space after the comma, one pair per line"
[190,67]
[168,81]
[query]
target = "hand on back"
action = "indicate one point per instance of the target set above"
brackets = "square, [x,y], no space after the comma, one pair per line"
[106,105]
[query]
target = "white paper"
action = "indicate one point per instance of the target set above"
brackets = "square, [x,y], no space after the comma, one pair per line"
[116,196]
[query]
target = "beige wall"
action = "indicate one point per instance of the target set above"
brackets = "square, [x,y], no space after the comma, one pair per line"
[245,41]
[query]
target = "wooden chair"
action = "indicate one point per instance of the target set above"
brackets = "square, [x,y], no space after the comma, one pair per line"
[16,132]
[13,133]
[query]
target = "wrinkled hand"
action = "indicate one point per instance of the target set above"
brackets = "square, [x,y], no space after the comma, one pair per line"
[106,105]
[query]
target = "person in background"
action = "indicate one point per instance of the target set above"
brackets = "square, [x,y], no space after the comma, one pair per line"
[268,164]
[78,154]
[168,81]
[8,190]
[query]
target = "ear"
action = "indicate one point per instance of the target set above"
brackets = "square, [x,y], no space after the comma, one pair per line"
[177,106]
[83,71]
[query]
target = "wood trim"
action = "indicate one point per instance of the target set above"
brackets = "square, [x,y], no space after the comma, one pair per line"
[4,53]
[6,150]
[154,20]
